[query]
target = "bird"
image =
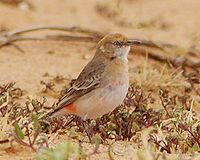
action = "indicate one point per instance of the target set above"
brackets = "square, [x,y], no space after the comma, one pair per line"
[103,83]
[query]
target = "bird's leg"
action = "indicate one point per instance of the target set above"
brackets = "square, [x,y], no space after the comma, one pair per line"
[82,123]
[86,126]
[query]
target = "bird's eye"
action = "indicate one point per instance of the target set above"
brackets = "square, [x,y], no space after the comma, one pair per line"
[117,43]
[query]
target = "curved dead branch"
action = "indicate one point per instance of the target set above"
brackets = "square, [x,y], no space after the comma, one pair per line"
[192,58]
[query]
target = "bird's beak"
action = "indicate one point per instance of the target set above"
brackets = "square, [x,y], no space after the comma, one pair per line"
[133,42]
[136,42]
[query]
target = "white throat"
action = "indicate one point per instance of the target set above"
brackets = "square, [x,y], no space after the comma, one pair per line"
[122,52]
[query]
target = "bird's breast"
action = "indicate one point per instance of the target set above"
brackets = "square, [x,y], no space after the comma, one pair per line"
[113,95]
[109,95]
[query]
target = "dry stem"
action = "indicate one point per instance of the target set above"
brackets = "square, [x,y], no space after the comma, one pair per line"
[192,61]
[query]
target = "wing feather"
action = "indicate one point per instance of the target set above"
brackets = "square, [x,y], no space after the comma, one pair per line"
[89,79]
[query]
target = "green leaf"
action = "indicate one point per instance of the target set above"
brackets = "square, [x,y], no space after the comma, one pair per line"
[195,148]
[36,124]
[96,140]
[18,131]
[61,152]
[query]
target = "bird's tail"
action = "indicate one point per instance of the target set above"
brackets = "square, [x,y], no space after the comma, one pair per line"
[54,112]
[57,113]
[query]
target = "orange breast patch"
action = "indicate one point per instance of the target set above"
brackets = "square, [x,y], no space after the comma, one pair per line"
[72,108]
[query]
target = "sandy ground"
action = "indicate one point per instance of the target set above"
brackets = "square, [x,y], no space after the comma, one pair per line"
[172,21]
[180,17]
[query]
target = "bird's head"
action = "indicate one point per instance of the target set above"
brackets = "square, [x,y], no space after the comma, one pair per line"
[114,46]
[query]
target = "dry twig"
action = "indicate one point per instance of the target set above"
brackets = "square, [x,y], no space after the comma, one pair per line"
[192,60]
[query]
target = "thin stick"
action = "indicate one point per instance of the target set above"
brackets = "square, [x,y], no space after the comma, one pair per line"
[176,62]
[10,41]
[8,38]
[94,36]
[57,28]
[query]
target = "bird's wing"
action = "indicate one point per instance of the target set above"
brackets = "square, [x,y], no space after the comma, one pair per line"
[88,80]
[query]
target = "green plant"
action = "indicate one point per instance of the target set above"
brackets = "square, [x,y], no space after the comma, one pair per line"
[62,151]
